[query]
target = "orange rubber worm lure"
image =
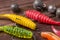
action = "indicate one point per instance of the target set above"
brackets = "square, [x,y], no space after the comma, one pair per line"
[50,36]
[38,16]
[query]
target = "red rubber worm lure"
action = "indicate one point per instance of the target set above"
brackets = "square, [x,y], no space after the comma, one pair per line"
[38,16]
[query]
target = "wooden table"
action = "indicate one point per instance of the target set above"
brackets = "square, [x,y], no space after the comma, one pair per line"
[24,5]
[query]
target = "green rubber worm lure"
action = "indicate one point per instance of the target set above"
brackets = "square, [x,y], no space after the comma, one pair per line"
[17,31]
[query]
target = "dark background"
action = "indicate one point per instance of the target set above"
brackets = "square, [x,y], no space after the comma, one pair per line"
[24,5]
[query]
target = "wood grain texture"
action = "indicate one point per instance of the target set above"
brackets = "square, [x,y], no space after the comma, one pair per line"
[25,5]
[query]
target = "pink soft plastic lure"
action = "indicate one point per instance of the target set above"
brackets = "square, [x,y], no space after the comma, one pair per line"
[38,16]
[57,32]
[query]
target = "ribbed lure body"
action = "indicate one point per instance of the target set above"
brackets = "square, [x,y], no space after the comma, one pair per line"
[49,36]
[33,14]
[21,20]
[16,31]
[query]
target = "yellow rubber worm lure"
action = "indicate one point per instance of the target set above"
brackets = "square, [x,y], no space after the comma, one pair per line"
[17,31]
[20,20]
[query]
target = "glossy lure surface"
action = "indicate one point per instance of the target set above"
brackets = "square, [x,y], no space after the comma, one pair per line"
[57,32]
[17,31]
[20,20]
[38,16]
[49,36]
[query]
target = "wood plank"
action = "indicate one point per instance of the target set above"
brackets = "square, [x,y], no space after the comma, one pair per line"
[25,5]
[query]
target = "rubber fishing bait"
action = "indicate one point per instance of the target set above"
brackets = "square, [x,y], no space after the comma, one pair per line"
[38,16]
[17,31]
[50,36]
[57,32]
[20,20]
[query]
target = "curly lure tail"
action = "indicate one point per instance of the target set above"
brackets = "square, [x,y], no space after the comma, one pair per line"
[20,20]
[35,15]
[17,31]
[57,32]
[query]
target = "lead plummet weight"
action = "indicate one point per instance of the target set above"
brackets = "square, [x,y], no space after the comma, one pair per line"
[52,9]
[58,13]
[39,5]
[15,8]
